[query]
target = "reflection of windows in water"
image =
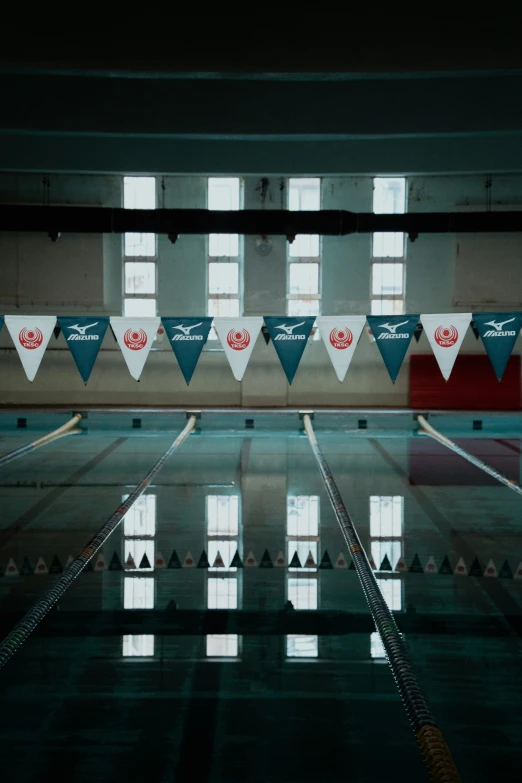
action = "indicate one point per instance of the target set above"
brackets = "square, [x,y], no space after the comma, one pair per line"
[301,646]
[391,589]
[303,549]
[138,645]
[227,550]
[138,593]
[222,591]
[139,528]
[302,528]
[223,645]
[222,515]
[137,548]
[302,515]
[140,519]
[386,516]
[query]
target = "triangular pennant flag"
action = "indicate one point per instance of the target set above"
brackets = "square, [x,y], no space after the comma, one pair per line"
[11,568]
[30,335]
[264,332]
[341,561]
[266,561]
[461,568]
[393,335]
[84,337]
[445,332]
[129,563]
[280,561]
[326,563]
[187,337]
[340,335]
[188,561]
[289,336]
[473,327]
[56,566]
[238,337]
[416,566]
[499,332]
[203,560]
[517,574]
[401,565]
[372,564]
[1,322]
[476,569]
[115,563]
[505,572]
[41,567]
[295,562]
[385,565]
[100,564]
[491,569]
[446,566]
[351,567]
[159,561]
[310,562]
[236,561]
[70,560]
[27,569]
[418,331]
[135,337]
[430,567]
[56,332]
[145,562]
[174,561]
[250,560]
[218,561]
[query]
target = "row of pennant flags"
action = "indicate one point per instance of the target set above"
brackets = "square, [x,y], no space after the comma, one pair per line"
[340,335]
[99,563]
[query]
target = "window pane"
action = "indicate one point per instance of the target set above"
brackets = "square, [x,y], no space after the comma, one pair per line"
[223,278]
[223,308]
[304,278]
[386,516]
[223,194]
[303,307]
[303,593]
[140,245]
[376,646]
[304,193]
[140,519]
[387,279]
[388,245]
[140,277]
[222,593]
[227,550]
[139,308]
[138,645]
[223,245]
[302,513]
[222,515]
[389,195]
[138,593]
[137,548]
[139,192]
[391,590]
[300,646]
[387,306]
[304,246]
[393,550]
[302,548]
[222,645]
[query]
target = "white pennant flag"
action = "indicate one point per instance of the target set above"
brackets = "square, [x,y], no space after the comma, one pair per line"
[446,331]
[340,334]
[30,335]
[238,337]
[135,337]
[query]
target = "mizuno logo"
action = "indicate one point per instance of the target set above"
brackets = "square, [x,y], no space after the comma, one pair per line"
[289,335]
[498,326]
[392,328]
[392,334]
[186,329]
[498,331]
[186,333]
[81,332]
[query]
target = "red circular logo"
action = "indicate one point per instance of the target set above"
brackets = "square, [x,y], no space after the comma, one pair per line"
[341,338]
[446,336]
[135,339]
[238,339]
[30,338]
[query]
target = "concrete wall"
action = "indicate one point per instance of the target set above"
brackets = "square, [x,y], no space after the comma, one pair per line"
[80,274]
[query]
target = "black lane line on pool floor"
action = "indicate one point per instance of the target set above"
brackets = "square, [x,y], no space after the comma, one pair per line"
[494,589]
[28,516]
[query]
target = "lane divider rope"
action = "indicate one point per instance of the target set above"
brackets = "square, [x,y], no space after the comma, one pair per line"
[14,640]
[435,752]
[65,429]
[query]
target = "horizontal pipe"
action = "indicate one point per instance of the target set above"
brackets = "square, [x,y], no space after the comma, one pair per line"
[173,222]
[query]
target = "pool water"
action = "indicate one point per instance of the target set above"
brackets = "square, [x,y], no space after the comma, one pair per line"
[206,674]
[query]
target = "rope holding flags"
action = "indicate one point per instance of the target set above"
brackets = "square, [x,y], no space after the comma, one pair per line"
[340,335]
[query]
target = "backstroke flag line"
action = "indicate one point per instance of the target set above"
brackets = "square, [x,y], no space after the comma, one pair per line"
[445,332]
[238,337]
[393,335]
[290,337]
[84,337]
[187,337]
[340,334]
[30,334]
[135,337]
[498,332]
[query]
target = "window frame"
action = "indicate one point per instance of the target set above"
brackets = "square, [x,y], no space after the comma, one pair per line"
[145,259]
[304,259]
[379,302]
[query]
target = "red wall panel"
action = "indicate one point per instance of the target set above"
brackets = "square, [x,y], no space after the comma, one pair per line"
[472,384]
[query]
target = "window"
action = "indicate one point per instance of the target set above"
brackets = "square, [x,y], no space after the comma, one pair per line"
[224,282]
[140,252]
[139,529]
[222,512]
[302,528]
[388,250]
[304,292]
[386,539]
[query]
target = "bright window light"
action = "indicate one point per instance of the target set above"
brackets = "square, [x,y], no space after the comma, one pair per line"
[302,515]
[222,646]
[386,516]
[387,279]
[140,519]
[222,593]
[223,278]
[303,593]
[140,277]
[138,593]
[137,548]
[222,515]
[303,307]
[391,591]
[139,308]
[227,549]
[139,192]
[393,549]
[304,194]
[223,194]
[223,308]
[376,646]
[387,306]
[141,645]
[302,548]
[301,646]
[304,278]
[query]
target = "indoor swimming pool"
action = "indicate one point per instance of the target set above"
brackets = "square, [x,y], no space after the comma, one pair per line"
[221,634]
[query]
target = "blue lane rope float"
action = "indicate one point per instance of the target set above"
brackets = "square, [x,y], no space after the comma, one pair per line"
[14,640]
[435,751]
[65,429]
[427,429]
